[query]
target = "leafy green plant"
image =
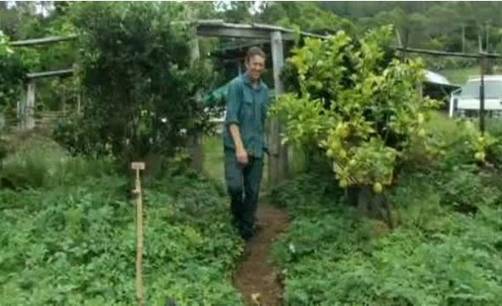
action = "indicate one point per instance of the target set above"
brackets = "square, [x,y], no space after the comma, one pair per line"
[461,142]
[139,82]
[12,75]
[40,163]
[358,104]
[480,143]
[72,240]
[437,256]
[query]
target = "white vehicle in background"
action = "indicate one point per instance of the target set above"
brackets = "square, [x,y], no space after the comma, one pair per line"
[465,101]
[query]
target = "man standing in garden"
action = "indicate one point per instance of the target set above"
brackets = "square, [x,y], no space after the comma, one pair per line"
[244,141]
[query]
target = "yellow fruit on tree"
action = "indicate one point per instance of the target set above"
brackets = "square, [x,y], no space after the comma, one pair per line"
[344,183]
[420,118]
[421,133]
[342,130]
[377,187]
[342,153]
[480,156]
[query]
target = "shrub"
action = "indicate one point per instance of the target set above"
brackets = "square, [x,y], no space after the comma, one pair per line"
[12,75]
[356,103]
[74,243]
[139,82]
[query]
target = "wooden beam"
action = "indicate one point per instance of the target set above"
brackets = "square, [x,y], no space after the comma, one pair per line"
[237,32]
[435,52]
[217,27]
[42,41]
[489,55]
[270,27]
[288,31]
[445,53]
[240,46]
[46,74]
[211,27]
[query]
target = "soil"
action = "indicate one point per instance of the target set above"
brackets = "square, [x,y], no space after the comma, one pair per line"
[257,278]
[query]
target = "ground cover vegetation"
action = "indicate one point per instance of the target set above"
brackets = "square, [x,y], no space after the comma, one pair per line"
[438,175]
[445,249]
[68,233]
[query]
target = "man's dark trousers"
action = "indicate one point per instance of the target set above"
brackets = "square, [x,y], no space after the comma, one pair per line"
[243,184]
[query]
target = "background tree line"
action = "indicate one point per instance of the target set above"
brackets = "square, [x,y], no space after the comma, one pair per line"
[452,26]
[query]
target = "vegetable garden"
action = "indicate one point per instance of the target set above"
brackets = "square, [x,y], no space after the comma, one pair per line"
[395,204]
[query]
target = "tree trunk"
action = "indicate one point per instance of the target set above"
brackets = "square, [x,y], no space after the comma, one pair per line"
[370,204]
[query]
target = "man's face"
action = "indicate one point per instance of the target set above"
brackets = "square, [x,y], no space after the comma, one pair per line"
[255,66]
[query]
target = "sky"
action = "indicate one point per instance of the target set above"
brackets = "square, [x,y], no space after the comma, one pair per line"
[256,8]
[44,10]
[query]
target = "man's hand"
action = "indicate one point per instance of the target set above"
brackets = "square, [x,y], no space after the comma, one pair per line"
[240,152]
[242,157]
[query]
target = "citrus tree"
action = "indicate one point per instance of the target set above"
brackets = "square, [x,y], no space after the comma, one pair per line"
[358,104]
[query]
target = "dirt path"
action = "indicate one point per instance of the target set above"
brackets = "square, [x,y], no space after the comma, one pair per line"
[256,277]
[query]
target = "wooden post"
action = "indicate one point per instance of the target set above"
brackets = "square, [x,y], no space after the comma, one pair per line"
[79,102]
[64,98]
[278,159]
[482,95]
[463,38]
[20,108]
[400,44]
[195,140]
[487,36]
[239,67]
[140,291]
[29,107]
[2,125]
[41,41]
[420,89]
[480,43]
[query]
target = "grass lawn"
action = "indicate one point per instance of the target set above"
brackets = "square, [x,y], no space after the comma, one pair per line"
[460,75]
[213,157]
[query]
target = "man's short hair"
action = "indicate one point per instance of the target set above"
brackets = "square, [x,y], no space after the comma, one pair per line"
[255,51]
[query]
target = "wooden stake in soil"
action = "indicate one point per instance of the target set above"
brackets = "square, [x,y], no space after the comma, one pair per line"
[140,293]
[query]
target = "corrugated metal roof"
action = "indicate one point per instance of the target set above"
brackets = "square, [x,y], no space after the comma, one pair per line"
[436,78]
